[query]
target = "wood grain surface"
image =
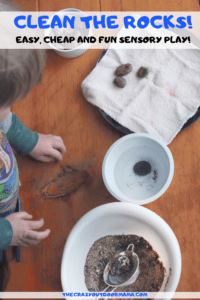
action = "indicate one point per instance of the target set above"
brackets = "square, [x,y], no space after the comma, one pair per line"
[58,107]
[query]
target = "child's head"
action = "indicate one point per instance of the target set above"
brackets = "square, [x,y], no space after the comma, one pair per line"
[20,69]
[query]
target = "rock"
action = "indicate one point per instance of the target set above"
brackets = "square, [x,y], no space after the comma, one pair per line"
[123,70]
[120,82]
[142,72]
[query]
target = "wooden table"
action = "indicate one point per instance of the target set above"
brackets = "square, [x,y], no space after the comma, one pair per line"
[58,107]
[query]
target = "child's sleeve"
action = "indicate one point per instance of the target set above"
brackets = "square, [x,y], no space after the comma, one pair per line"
[20,137]
[6,233]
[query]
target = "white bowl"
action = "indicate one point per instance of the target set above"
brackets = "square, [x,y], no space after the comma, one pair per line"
[116,219]
[79,50]
[118,174]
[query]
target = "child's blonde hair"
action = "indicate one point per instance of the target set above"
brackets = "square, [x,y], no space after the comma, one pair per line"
[20,69]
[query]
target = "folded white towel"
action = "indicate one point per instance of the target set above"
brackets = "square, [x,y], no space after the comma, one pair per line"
[158,104]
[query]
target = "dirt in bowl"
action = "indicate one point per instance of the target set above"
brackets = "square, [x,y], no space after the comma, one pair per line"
[151,269]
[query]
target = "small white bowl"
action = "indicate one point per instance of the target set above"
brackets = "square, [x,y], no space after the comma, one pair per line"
[118,174]
[116,219]
[75,52]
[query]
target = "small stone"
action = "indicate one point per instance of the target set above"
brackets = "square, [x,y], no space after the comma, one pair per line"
[142,168]
[120,82]
[120,265]
[123,70]
[142,72]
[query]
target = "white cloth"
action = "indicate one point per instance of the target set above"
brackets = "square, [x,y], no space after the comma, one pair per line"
[158,104]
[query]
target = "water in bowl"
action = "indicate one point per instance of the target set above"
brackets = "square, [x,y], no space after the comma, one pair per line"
[141,187]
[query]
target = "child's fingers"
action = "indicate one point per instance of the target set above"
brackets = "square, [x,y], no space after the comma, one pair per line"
[58,144]
[56,154]
[34,225]
[23,244]
[61,147]
[46,158]
[33,242]
[24,215]
[37,235]
[27,242]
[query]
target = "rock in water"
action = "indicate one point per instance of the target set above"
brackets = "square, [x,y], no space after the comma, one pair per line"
[142,168]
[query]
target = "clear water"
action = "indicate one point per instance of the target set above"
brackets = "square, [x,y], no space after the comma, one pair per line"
[141,187]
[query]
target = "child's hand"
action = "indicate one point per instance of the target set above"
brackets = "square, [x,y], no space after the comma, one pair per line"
[24,230]
[48,148]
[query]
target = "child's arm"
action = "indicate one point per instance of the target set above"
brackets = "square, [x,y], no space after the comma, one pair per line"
[5,234]
[42,147]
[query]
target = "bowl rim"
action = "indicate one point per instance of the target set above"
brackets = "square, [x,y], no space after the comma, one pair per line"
[78,47]
[162,190]
[136,211]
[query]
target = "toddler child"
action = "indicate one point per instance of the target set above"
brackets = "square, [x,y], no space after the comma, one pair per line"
[20,70]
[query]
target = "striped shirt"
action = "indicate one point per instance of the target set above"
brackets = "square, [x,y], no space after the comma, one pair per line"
[9,176]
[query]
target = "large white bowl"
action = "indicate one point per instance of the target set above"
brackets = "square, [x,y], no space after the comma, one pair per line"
[118,174]
[119,218]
